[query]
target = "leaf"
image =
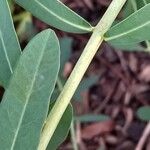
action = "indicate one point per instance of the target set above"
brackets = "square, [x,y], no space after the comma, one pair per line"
[65,47]
[25,103]
[25,28]
[128,9]
[55,13]
[132,30]
[85,84]
[91,118]
[9,46]
[141,3]
[133,47]
[62,129]
[144,113]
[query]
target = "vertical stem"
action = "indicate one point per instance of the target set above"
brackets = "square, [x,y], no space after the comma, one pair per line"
[134,5]
[72,130]
[78,71]
[73,137]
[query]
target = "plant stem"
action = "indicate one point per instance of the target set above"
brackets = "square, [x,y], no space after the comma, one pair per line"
[59,84]
[73,137]
[134,5]
[72,130]
[78,71]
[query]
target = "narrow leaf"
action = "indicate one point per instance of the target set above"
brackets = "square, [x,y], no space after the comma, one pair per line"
[132,30]
[25,103]
[62,129]
[144,113]
[91,118]
[55,13]
[9,46]
[141,3]
[65,47]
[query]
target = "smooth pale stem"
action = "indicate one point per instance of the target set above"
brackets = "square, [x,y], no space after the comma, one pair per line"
[78,72]
[73,137]
[72,129]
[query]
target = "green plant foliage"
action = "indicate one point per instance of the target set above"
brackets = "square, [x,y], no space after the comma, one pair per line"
[65,47]
[25,103]
[85,84]
[9,46]
[128,9]
[55,13]
[62,129]
[91,118]
[132,30]
[11,5]
[141,3]
[144,113]
[25,29]
[133,47]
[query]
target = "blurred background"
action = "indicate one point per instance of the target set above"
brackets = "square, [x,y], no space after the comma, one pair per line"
[115,85]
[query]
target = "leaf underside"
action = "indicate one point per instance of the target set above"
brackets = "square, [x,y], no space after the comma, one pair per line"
[55,13]
[24,107]
[132,30]
[9,46]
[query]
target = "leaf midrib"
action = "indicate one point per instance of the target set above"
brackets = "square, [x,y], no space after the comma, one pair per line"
[28,96]
[126,33]
[62,19]
[5,52]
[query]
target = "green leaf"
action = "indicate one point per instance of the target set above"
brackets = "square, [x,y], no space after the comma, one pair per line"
[85,84]
[9,46]
[11,5]
[65,47]
[25,28]
[55,13]
[91,118]
[128,9]
[133,47]
[24,107]
[62,129]
[132,30]
[141,3]
[144,113]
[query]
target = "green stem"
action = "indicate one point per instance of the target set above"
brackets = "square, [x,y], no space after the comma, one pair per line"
[134,5]
[73,137]
[78,72]
[59,84]
[21,16]
[72,130]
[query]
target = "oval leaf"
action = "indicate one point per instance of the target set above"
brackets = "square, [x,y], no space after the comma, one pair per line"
[144,113]
[9,46]
[62,129]
[132,30]
[25,103]
[55,13]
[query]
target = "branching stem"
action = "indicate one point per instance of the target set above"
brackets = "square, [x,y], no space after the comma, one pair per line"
[78,72]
